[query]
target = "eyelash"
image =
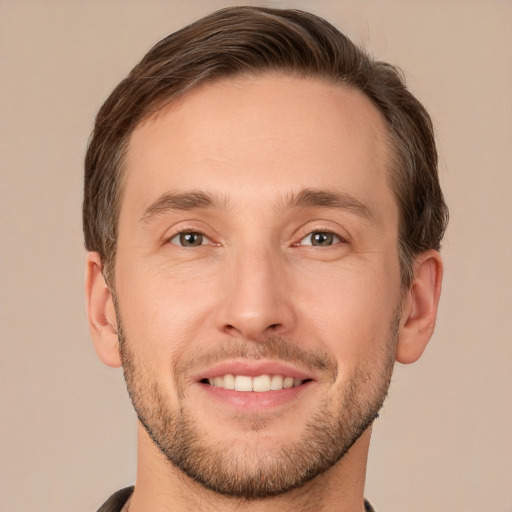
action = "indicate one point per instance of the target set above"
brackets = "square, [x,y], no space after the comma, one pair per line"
[338,238]
[187,232]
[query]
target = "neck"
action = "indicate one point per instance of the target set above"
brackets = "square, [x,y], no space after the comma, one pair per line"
[161,487]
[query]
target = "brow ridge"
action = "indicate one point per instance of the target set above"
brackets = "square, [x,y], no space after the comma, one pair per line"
[178,201]
[306,198]
[313,198]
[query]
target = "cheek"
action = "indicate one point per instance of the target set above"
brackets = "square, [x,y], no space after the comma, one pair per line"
[163,313]
[352,312]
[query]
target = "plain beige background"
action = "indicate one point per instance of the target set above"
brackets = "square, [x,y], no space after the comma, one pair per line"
[444,439]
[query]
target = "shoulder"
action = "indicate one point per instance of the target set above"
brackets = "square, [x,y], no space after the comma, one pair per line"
[368,507]
[116,502]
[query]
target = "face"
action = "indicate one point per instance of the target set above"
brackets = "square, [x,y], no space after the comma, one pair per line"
[257,279]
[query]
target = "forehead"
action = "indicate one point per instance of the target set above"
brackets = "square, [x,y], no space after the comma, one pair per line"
[274,133]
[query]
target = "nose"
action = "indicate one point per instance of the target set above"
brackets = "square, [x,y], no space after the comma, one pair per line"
[257,299]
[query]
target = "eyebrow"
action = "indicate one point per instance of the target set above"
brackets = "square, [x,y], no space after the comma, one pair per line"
[179,201]
[306,198]
[311,198]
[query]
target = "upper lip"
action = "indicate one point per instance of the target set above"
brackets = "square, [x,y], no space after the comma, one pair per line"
[252,368]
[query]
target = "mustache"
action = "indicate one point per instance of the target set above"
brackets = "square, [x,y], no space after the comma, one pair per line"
[273,347]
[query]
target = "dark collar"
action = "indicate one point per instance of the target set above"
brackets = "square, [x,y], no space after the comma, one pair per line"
[117,501]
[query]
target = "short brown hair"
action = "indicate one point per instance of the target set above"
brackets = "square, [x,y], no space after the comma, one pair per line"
[252,40]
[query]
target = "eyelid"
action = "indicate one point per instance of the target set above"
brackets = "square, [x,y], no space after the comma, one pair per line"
[205,240]
[309,229]
[167,239]
[337,238]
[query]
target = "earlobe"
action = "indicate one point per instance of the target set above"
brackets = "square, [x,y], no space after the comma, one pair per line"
[419,310]
[101,312]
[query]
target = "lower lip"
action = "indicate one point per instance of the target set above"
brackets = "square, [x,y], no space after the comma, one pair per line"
[253,400]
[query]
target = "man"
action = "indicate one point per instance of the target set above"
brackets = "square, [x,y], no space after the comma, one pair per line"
[263,215]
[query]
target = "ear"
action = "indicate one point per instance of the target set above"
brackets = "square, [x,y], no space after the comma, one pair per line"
[101,312]
[419,308]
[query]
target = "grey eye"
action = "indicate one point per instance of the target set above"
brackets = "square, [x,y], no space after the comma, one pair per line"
[321,239]
[189,239]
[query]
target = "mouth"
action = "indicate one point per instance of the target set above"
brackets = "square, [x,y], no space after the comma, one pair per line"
[259,384]
[254,385]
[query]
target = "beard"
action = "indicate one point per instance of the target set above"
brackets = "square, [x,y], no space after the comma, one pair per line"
[254,470]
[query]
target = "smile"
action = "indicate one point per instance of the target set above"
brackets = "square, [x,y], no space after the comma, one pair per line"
[259,384]
[254,385]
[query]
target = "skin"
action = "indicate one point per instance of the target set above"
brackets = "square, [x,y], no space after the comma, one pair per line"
[253,145]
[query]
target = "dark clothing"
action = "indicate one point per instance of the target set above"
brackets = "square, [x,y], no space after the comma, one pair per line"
[117,501]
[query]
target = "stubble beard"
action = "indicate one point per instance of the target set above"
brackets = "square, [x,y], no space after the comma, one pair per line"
[255,472]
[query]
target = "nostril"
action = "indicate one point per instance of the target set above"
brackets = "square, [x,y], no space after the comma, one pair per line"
[252,327]
[231,330]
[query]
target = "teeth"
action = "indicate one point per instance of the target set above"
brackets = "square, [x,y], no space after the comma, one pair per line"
[276,383]
[288,382]
[243,383]
[260,384]
[228,382]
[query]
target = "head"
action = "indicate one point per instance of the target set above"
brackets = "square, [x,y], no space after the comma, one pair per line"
[262,200]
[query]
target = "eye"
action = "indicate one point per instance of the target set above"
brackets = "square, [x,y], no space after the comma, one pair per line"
[321,239]
[189,239]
